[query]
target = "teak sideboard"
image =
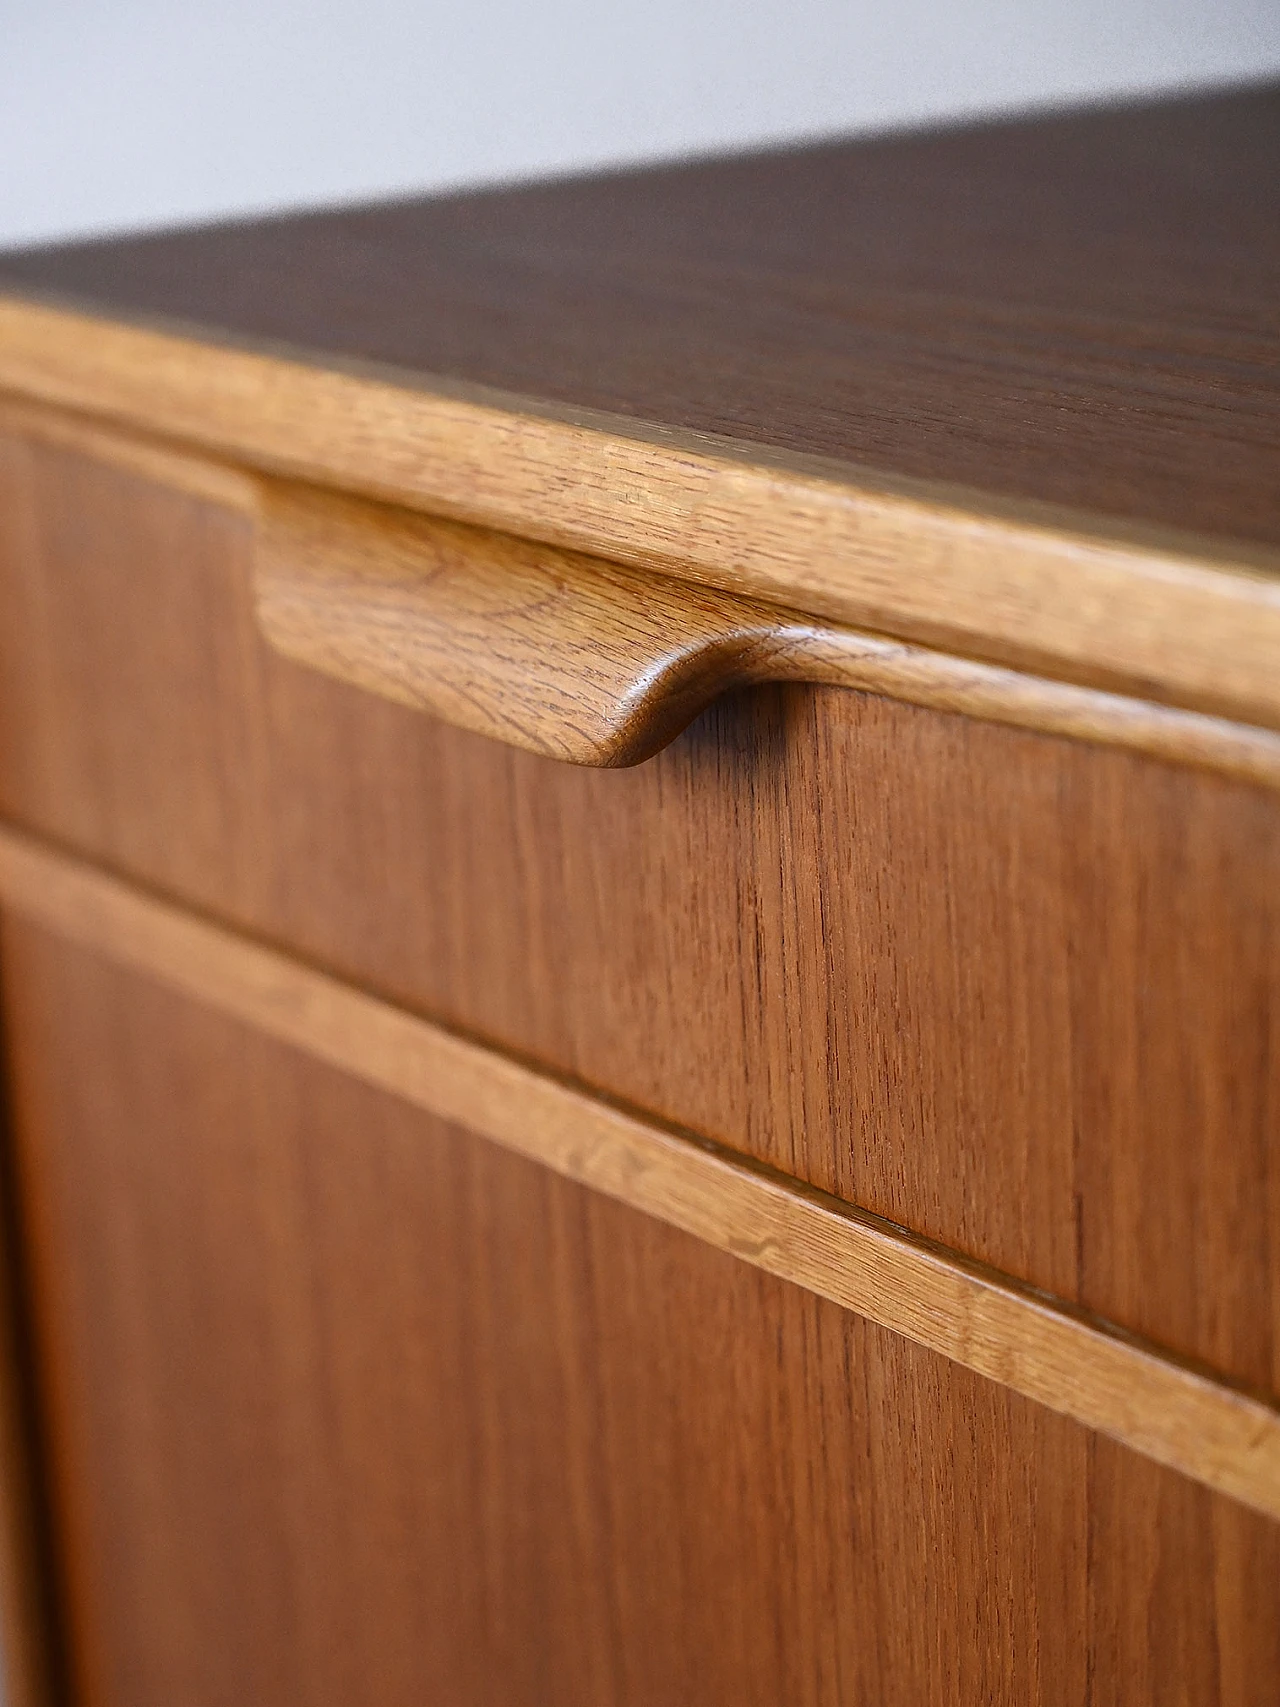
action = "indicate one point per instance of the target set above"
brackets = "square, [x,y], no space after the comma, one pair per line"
[640,894]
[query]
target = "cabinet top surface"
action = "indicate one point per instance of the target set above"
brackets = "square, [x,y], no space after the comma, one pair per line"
[1082,309]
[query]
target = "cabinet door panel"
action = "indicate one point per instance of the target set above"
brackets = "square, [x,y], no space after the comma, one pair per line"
[1017,993]
[349,1406]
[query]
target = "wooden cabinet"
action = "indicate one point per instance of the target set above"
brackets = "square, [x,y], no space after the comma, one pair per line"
[354,1406]
[793,1218]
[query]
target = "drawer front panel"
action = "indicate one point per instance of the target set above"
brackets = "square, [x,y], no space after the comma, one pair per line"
[370,1411]
[1014,992]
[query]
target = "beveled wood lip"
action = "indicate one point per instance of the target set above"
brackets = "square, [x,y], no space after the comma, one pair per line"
[1181,620]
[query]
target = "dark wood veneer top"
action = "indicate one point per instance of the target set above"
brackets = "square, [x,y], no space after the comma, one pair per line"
[1083,308]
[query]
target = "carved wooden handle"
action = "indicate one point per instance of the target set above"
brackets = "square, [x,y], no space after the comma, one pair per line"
[560,653]
[581,659]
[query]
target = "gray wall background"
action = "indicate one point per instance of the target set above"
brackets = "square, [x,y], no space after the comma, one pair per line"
[120,113]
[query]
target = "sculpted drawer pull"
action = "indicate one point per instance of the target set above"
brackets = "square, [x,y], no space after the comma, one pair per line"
[564,654]
[577,658]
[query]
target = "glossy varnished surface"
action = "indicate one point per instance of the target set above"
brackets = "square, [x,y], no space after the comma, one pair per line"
[1079,309]
[1016,993]
[352,1408]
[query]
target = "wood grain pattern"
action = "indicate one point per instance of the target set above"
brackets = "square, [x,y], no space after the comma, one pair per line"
[560,654]
[1082,1368]
[346,1404]
[579,659]
[1181,619]
[399,1416]
[1014,993]
[1008,391]
[1075,308]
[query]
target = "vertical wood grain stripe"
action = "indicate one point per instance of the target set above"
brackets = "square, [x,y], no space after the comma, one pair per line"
[1076,1365]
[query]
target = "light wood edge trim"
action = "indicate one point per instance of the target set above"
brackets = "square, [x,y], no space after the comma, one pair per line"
[524,677]
[1180,621]
[943,682]
[845,658]
[1108,1381]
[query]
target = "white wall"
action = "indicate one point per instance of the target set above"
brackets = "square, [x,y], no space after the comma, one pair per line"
[117,113]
